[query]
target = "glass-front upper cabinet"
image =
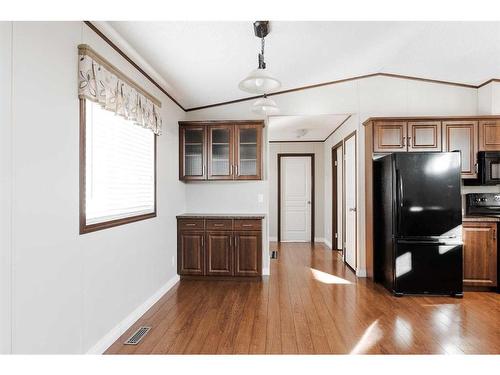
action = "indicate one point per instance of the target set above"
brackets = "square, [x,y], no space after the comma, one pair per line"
[193,153]
[248,152]
[220,152]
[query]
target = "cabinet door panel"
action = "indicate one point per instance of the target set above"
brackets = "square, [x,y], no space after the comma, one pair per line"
[219,253]
[190,253]
[220,152]
[489,135]
[480,254]
[389,136]
[424,136]
[248,254]
[248,146]
[192,149]
[462,136]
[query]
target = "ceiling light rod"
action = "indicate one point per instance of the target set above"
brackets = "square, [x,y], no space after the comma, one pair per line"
[261,29]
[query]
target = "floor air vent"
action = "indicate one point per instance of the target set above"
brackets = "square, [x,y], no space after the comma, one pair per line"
[137,336]
[274,254]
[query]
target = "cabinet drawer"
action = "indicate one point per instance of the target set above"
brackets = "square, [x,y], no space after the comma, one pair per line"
[219,224]
[247,225]
[188,224]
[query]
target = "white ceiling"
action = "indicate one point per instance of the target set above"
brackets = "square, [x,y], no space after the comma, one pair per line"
[204,61]
[303,128]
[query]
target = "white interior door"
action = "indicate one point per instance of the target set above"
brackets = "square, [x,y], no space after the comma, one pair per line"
[340,197]
[296,199]
[350,201]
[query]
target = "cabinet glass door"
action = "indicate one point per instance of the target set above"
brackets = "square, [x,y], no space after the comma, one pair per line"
[249,150]
[193,150]
[220,152]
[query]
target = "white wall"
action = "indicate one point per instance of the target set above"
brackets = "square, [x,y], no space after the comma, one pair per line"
[375,96]
[70,290]
[315,148]
[5,185]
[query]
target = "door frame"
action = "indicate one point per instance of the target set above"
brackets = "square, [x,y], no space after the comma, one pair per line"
[335,200]
[349,136]
[313,200]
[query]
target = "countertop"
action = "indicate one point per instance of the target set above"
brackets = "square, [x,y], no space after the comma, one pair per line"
[221,216]
[481,218]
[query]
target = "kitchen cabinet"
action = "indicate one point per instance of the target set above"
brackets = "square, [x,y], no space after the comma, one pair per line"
[191,252]
[219,258]
[389,136]
[462,136]
[480,253]
[219,246]
[424,136]
[403,136]
[247,252]
[220,150]
[248,152]
[193,153]
[489,135]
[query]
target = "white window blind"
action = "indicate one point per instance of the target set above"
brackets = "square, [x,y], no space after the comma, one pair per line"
[120,174]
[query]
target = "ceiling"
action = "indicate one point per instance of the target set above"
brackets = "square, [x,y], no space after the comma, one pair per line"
[203,62]
[303,128]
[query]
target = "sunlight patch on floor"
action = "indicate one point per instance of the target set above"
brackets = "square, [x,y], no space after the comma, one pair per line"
[371,336]
[327,278]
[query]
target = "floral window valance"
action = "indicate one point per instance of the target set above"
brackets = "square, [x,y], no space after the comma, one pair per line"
[101,82]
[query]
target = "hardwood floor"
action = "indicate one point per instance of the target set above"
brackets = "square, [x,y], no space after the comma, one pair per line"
[311,304]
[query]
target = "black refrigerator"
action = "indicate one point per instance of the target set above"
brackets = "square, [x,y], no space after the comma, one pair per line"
[418,223]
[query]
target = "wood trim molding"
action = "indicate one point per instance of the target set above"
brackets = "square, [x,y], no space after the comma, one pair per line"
[328,83]
[335,200]
[84,228]
[356,182]
[124,55]
[223,122]
[431,118]
[313,198]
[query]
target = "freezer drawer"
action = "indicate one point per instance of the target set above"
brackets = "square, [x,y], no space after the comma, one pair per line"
[428,268]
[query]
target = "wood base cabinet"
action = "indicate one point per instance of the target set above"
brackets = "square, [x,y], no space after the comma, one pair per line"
[480,254]
[222,247]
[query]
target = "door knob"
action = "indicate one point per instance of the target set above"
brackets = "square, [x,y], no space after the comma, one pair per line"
[352,209]
[308,202]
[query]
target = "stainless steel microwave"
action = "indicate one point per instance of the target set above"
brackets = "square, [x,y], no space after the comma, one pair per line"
[489,167]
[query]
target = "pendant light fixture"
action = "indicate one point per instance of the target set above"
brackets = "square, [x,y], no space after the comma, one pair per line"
[265,106]
[260,81]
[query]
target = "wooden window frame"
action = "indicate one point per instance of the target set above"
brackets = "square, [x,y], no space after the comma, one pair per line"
[88,228]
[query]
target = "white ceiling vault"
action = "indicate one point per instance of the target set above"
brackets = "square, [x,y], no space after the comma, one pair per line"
[203,62]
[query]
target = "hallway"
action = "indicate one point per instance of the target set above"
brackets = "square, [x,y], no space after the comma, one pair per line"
[313,304]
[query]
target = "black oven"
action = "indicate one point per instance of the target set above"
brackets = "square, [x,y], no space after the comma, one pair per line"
[489,167]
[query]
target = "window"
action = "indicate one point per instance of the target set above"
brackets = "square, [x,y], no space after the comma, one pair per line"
[117,169]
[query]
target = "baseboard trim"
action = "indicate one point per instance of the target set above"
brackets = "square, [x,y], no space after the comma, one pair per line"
[266,272]
[107,340]
[361,272]
[328,243]
[319,239]
[273,239]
